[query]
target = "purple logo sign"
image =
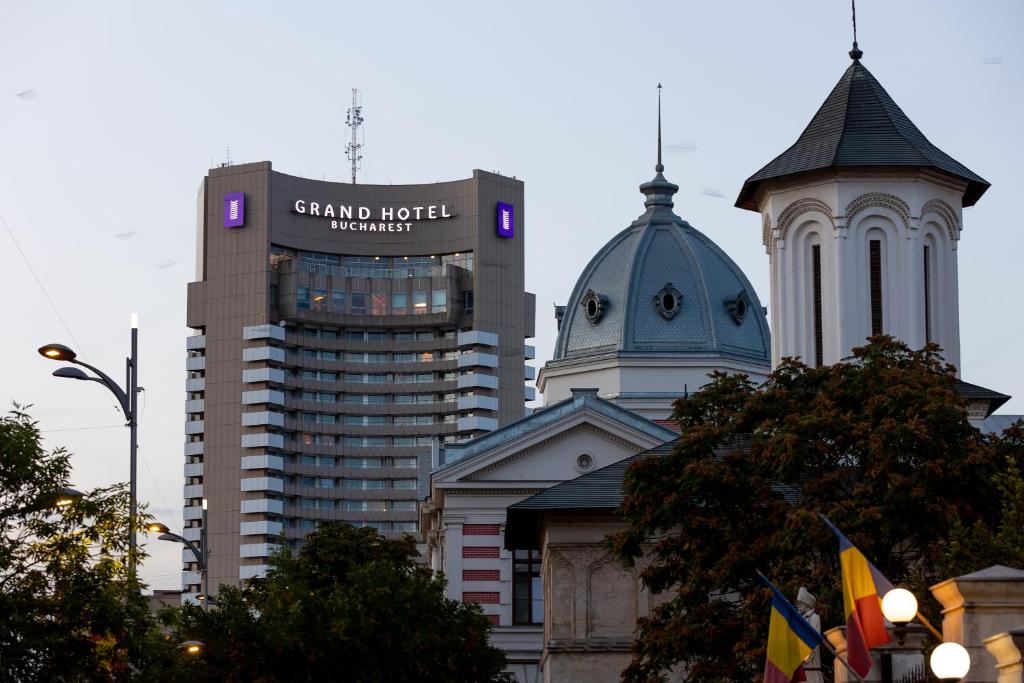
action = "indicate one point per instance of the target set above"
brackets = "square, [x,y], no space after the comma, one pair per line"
[234,209]
[506,220]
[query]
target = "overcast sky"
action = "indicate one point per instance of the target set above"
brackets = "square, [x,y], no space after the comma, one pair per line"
[133,102]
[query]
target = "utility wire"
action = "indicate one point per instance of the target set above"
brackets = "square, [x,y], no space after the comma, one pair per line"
[40,283]
[77,429]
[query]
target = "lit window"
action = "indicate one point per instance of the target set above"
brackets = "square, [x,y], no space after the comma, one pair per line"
[419,302]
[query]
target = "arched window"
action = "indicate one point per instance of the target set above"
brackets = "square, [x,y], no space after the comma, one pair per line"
[875,284]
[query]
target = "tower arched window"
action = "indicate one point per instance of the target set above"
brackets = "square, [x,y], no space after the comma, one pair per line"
[875,284]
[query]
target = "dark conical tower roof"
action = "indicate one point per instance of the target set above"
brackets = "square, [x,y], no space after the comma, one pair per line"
[860,125]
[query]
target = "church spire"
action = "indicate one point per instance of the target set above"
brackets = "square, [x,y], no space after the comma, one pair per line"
[660,167]
[855,53]
[659,191]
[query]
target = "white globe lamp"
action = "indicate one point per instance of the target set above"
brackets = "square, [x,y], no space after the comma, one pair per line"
[899,606]
[950,662]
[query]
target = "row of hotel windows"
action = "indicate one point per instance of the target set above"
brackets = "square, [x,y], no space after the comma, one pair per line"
[361,357]
[365,441]
[372,303]
[377,266]
[383,377]
[377,335]
[371,399]
[375,420]
[353,484]
[356,505]
[404,527]
[354,463]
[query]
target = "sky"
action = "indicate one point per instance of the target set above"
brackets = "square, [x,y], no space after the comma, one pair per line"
[131,103]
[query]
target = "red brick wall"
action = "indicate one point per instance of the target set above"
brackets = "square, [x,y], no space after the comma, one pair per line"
[481,575]
[494,619]
[480,551]
[480,530]
[481,597]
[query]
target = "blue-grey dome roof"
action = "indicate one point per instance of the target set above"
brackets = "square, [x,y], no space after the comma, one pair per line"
[619,304]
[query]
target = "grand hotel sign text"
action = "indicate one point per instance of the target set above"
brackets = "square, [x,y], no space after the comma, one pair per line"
[365,219]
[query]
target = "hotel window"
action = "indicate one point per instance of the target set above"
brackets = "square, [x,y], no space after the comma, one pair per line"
[355,335]
[329,334]
[405,463]
[377,336]
[404,398]
[424,335]
[326,461]
[358,303]
[405,336]
[399,303]
[405,484]
[438,301]
[326,484]
[378,303]
[419,303]
[527,590]
[302,297]
[328,355]
[467,301]
[875,265]
[337,301]
[405,358]
[405,527]
[319,300]
[403,505]
[307,460]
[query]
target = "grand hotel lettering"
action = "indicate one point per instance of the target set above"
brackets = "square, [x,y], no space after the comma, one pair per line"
[363,219]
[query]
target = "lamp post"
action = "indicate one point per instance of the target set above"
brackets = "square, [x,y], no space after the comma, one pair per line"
[128,398]
[949,661]
[168,535]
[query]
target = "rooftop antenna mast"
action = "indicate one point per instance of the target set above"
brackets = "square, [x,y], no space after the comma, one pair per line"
[354,120]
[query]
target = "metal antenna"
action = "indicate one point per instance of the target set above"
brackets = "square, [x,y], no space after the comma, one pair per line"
[660,167]
[354,119]
[855,53]
[229,155]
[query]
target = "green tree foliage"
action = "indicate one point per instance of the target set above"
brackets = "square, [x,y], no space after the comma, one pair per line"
[351,605]
[880,444]
[69,608]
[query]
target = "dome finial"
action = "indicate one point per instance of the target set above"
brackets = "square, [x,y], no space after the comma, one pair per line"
[855,53]
[660,166]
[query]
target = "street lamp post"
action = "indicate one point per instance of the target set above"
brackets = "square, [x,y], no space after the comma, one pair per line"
[128,398]
[168,535]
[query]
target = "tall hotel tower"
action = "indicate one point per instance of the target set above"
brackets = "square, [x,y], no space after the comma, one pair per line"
[341,332]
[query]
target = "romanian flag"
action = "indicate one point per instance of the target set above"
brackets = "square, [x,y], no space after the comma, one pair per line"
[791,640]
[863,589]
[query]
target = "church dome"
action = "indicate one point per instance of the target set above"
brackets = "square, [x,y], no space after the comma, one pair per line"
[662,287]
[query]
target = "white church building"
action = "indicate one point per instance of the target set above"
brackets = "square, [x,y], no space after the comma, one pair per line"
[861,220]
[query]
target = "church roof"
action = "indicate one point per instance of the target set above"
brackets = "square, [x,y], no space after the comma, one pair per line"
[581,399]
[662,287]
[860,125]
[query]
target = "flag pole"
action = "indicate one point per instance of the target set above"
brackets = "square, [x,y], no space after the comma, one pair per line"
[924,620]
[845,663]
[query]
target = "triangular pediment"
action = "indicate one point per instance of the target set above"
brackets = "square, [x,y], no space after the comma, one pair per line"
[580,441]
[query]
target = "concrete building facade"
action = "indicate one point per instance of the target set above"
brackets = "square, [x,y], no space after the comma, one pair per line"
[340,333]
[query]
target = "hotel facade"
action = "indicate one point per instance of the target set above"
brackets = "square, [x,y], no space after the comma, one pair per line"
[341,334]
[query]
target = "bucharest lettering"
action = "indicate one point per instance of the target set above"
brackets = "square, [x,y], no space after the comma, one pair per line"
[364,219]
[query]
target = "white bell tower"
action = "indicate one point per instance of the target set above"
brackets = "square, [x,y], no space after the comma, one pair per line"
[861,219]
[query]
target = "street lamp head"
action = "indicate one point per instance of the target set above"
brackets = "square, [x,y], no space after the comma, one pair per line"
[57,352]
[156,528]
[192,647]
[66,496]
[950,662]
[899,606]
[70,373]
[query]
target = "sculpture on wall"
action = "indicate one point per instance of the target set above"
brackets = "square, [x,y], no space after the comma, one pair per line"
[805,602]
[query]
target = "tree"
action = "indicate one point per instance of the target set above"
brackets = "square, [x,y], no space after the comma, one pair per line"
[69,608]
[881,444]
[349,605]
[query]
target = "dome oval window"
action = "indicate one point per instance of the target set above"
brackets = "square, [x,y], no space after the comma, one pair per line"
[738,307]
[594,306]
[668,301]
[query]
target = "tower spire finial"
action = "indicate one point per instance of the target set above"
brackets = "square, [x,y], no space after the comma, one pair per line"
[660,166]
[855,53]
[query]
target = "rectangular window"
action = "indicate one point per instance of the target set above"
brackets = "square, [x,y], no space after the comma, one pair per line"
[405,527]
[325,461]
[467,301]
[424,335]
[875,261]
[816,267]
[378,303]
[405,336]
[328,355]
[405,463]
[527,590]
[376,336]
[927,295]
[419,303]
[328,377]
[399,303]
[377,399]
[358,303]
[355,377]
[439,301]
[328,334]
[404,484]
[403,505]
[337,301]
[355,335]
[326,484]
[302,297]
[319,300]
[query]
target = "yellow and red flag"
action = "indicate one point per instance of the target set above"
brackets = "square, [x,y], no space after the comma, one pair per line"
[791,640]
[863,589]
